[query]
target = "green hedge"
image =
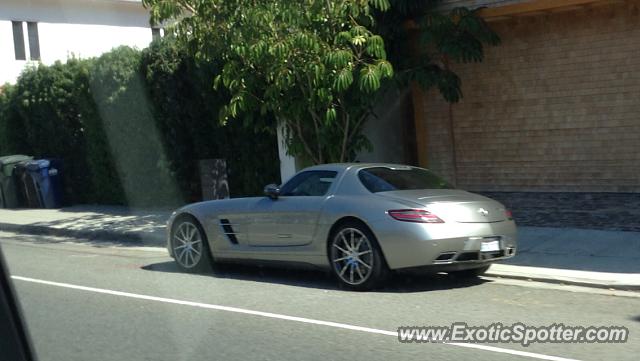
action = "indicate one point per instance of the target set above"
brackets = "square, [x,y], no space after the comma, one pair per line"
[186,115]
[130,127]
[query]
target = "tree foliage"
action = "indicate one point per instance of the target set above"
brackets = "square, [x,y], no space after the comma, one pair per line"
[130,127]
[313,64]
[317,65]
[45,115]
[423,43]
[185,111]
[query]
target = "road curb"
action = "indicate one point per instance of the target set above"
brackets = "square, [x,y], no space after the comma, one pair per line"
[136,238]
[577,278]
[555,276]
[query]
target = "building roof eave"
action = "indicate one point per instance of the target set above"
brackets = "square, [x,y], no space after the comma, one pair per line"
[536,7]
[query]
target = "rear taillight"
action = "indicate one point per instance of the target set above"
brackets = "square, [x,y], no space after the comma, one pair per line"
[415,215]
[508,214]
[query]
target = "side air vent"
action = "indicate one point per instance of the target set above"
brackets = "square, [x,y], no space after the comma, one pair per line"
[228,231]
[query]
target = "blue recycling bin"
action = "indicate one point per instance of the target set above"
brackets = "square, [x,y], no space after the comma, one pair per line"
[47,181]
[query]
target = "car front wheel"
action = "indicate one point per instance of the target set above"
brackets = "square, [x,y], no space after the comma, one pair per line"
[189,245]
[355,257]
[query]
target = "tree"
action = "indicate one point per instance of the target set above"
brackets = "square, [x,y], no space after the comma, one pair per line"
[317,65]
[423,42]
[313,64]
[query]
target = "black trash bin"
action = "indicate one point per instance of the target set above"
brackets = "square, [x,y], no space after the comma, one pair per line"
[27,193]
[46,180]
[9,197]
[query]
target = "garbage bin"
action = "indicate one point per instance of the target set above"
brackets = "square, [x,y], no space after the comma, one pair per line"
[8,191]
[46,179]
[27,195]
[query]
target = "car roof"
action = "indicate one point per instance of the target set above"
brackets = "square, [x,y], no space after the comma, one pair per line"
[345,166]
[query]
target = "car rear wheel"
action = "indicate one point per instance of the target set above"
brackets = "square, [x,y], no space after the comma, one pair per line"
[355,257]
[189,245]
[472,273]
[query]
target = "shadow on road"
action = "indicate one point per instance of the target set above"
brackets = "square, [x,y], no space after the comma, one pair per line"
[398,283]
[44,238]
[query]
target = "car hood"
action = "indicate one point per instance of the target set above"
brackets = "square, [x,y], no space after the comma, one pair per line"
[452,204]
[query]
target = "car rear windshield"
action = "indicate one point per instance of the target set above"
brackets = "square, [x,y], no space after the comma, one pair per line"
[383,179]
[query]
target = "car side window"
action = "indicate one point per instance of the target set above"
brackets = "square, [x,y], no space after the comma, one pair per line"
[373,183]
[309,183]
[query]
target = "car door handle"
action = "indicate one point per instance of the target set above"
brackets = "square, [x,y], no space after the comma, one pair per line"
[284,236]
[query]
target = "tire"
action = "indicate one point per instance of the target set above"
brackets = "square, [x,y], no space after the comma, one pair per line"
[190,245]
[471,273]
[355,257]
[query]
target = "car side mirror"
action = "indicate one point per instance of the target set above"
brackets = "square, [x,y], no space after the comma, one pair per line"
[272,191]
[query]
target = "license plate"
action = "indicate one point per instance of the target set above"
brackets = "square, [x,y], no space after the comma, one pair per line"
[489,246]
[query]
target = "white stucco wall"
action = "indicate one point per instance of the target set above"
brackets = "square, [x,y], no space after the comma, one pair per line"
[287,162]
[386,130]
[87,40]
[82,28]
[98,12]
[9,67]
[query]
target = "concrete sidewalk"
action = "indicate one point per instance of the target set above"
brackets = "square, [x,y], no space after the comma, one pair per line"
[607,259]
[111,223]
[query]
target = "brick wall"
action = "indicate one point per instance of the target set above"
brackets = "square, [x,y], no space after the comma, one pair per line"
[556,107]
[605,211]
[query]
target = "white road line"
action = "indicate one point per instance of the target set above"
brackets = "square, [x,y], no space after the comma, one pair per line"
[280,317]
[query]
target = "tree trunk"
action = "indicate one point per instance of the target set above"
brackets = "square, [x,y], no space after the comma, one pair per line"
[345,137]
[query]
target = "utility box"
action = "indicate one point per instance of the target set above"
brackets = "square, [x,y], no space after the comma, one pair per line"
[213,177]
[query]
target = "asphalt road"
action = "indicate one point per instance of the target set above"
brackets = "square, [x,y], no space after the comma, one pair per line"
[99,301]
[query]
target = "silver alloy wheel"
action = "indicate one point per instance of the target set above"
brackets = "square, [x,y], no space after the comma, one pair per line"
[187,245]
[352,256]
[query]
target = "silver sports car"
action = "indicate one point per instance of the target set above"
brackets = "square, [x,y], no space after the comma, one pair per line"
[359,220]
